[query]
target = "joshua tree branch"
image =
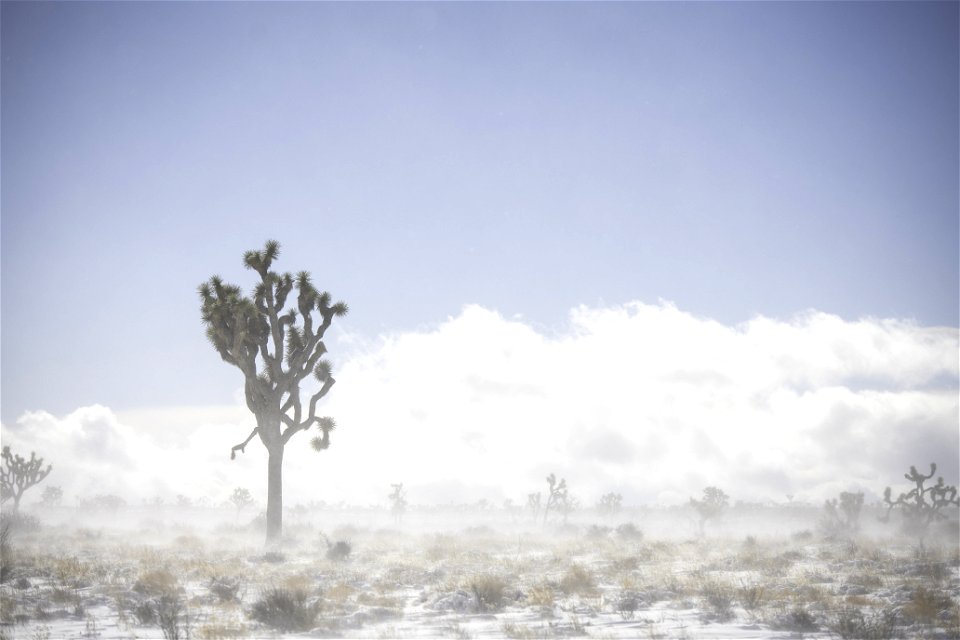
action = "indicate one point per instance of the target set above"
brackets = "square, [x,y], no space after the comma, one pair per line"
[312,415]
[242,445]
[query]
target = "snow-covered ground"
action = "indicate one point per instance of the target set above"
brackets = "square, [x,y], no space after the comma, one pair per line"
[149,573]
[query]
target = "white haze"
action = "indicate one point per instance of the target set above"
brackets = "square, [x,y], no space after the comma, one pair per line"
[645,400]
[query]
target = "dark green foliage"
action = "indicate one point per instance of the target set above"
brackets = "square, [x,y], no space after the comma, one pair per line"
[285,610]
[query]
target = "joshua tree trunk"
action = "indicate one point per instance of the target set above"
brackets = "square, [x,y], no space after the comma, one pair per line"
[275,494]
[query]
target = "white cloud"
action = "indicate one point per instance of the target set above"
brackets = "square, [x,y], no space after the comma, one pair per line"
[641,399]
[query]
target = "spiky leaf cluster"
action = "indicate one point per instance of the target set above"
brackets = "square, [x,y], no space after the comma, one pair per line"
[275,337]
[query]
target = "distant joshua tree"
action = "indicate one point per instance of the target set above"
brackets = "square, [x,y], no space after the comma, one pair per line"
[533,505]
[398,499]
[711,506]
[842,518]
[559,499]
[17,475]
[256,335]
[610,504]
[921,505]
[241,499]
[51,496]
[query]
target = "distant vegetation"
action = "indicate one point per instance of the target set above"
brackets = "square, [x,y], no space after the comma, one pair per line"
[18,474]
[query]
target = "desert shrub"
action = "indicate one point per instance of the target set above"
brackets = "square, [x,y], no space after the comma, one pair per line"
[542,596]
[719,597]
[488,590]
[19,522]
[172,617]
[156,582]
[597,532]
[145,614]
[6,554]
[851,624]
[629,531]
[802,536]
[273,557]
[226,588]
[285,609]
[339,551]
[927,605]
[627,604]
[798,620]
[750,596]
[577,580]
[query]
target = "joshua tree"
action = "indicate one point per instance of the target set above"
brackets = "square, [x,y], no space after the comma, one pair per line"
[843,517]
[17,475]
[51,496]
[711,506]
[398,498]
[559,498]
[610,504]
[533,505]
[920,505]
[241,498]
[256,335]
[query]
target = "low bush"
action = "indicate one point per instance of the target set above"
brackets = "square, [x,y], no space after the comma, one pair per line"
[719,598]
[286,609]
[577,580]
[850,623]
[339,551]
[488,590]
[226,588]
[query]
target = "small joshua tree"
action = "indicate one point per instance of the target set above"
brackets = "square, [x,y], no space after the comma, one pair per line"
[842,517]
[533,505]
[921,505]
[51,496]
[559,498]
[711,506]
[610,504]
[17,475]
[398,500]
[241,499]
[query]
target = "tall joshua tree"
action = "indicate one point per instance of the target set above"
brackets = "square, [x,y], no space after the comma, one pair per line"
[275,355]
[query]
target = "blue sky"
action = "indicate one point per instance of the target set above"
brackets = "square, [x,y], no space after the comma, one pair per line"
[737,159]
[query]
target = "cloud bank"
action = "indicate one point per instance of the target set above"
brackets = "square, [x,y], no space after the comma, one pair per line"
[642,399]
